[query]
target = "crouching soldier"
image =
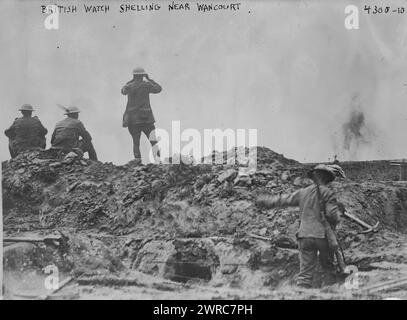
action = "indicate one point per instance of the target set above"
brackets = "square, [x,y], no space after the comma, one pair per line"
[312,240]
[26,132]
[67,133]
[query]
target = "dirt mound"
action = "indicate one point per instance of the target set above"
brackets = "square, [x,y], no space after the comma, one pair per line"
[177,199]
[186,223]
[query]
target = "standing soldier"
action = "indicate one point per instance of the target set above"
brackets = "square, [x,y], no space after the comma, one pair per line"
[311,236]
[68,131]
[138,116]
[26,133]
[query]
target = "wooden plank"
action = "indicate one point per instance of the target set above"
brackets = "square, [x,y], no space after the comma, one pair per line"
[385,285]
[388,286]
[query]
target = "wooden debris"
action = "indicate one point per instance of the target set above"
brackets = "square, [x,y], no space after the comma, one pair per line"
[385,285]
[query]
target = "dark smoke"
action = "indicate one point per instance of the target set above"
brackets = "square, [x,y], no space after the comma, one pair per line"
[353,130]
[358,134]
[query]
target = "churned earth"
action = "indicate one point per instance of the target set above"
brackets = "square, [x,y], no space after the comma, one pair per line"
[181,231]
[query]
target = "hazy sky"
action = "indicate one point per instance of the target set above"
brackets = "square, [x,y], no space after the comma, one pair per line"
[288,69]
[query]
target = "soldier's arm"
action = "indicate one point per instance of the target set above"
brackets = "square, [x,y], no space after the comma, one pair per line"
[281,200]
[84,133]
[332,209]
[126,88]
[43,130]
[10,132]
[153,87]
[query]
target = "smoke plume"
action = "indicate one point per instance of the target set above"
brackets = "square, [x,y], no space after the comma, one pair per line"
[357,132]
[353,130]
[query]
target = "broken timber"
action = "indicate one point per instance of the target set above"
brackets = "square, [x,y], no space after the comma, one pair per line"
[385,285]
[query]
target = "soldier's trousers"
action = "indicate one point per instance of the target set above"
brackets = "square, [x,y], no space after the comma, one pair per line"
[81,146]
[136,130]
[312,251]
[13,154]
[88,147]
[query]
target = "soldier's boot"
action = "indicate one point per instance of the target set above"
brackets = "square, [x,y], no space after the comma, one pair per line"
[136,162]
[156,152]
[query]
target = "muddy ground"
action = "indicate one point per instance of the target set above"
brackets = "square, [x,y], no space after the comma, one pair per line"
[184,231]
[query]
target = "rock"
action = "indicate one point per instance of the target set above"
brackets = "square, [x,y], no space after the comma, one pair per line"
[298,182]
[285,242]
[55,164]
[359,238]
[247,171]
[73,186]
[285,175]
[228,269]
[39,161]
[272,184]
[227,175]
[242,181]
[89,184]
[348,239]
[71,155]
[292,230]
[263,231]
[354,244]
[267,256]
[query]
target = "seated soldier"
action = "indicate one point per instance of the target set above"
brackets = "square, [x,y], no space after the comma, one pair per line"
[26,132]
[68,131]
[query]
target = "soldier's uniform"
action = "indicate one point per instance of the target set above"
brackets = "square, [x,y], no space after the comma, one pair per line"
[313,245]
[26,133]
[138,116]
[66,137]
[315,201]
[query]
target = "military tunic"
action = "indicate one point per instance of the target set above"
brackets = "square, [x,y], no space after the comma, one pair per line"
[67,133]
[26,133]
[138,108]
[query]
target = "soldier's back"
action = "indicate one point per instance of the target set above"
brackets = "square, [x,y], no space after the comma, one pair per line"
[28,133]
[68,123]
[66,133]
[26,128]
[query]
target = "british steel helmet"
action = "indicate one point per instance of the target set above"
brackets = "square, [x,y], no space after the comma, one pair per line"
[333,169]
[26,107]
[139,71]
[72,109]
